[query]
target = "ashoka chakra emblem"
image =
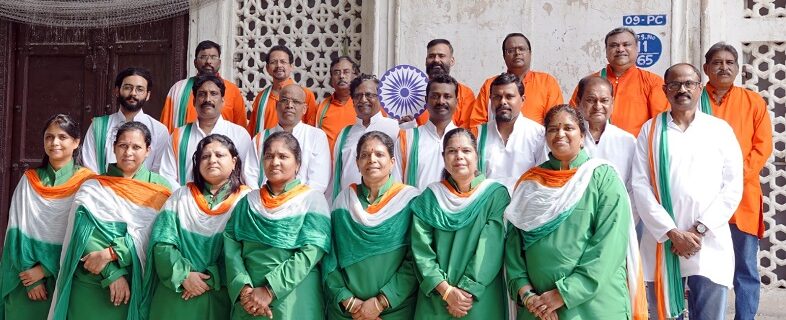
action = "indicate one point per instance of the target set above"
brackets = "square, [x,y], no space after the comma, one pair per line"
[402,91]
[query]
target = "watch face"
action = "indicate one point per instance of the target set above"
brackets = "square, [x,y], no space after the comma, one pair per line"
[701,228]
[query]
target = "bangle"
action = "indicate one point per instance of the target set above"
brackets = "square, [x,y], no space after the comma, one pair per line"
[269,291]
[385,302]
[350,304]
[376,304]
[447,293]
[112,254]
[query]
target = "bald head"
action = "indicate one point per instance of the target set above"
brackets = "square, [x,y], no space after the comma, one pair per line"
[591,82]
[291,106]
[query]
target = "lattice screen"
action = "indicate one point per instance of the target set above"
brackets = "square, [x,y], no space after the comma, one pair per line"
[765,8]
[315,31]
[765,65]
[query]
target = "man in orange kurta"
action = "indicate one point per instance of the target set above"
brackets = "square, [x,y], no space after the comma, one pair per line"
[179,108]
[336,111]
[541,89]
[746,112]
[278,64]
[638,94]
[439,60]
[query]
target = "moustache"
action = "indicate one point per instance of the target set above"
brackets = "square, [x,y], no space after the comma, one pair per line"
[683,95]
[207,104]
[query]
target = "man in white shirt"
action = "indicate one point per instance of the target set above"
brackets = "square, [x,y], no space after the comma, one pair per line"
[418,151]
[687,183]
[367,107]
[177,164]
[509,144]
[132,88]
[314,149]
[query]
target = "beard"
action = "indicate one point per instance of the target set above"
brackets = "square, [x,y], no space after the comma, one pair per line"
[431,69]
[128,106]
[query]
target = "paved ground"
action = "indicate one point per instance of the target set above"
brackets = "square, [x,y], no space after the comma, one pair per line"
[771,307]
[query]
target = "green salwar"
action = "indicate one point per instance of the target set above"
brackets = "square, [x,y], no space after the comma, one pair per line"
[583,258]
[469,257]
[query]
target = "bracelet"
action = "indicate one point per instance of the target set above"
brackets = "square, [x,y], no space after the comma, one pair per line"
[385,302]
[269,291]
[112,254]
[447,293]
[376,304]
[350,304]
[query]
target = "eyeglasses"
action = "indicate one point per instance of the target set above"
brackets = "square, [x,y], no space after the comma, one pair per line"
[368,95]
[208,58]
[137,89]
[515,50]
[338,73]
[288,101]
[676,85]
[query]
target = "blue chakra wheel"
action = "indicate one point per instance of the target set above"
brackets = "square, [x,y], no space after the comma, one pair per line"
[402,91]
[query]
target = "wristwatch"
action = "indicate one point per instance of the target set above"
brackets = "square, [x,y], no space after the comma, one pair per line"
[701,228]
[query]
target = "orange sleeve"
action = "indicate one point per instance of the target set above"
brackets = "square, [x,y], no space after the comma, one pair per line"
[554,96]
[237,105]
[166,114]
[761,146]
[466,98]
[310,118]
[252,122]
[573,97]
[311,104]
[479,112]
[657,101]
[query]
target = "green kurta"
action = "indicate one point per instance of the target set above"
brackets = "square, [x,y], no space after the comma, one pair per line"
[280,253]
[90,297]
[384,258]
[17,305]
[176,251]
[584,257]
[462,247]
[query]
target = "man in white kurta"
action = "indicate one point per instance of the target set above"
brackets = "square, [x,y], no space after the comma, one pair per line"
[314,149]
[177,163]
[509,143]
[132,88]
[705,183]
[369,118]
[418,151]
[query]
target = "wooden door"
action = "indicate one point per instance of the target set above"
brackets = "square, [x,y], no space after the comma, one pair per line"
[72,71]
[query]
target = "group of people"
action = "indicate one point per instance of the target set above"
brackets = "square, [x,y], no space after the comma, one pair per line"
[507,204]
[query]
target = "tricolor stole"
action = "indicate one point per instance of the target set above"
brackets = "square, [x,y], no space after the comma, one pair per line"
[706,105]
[338,165]
[115,208]
[180,141]
[443,207]
[544,198]
[259,141]
[409,155]
[180,114]
[37,223]
[261,108]
[188,223]
[378,229]
[669,287]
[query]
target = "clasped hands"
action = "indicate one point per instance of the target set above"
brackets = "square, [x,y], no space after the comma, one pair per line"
[256,301]
[31,276]
[459,301]
[95,262]
[368,309]
[543,306]
[685,243]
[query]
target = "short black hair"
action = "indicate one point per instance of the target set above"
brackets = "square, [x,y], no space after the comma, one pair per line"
[385,139]
[618,31]
[289,141]
[442,78]
[515,34]
[507,78]
[592,78]
[355,66]
[359,79]
[134,71]
[206,44]
[721,46]
[440,41]
[134,125]
[282,48]
[695,70]
[570,110]
[235,178]
[201,79]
